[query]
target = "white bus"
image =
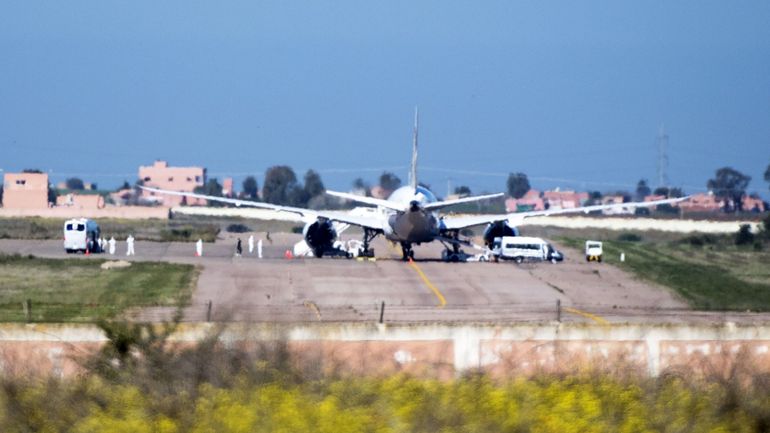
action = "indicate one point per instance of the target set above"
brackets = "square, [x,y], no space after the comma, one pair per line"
[521,248]
[81,235]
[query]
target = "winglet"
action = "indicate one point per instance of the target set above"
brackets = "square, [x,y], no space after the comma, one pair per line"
[413,172]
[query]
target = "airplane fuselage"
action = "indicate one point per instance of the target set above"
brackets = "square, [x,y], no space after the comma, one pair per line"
[415,225]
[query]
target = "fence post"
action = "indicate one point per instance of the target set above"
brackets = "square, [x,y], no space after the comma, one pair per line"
[558,310]
[28,310]
[208,311]
[382,311]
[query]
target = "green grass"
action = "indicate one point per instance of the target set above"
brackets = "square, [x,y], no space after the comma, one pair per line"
[65,290]
[184,230]
[713,277]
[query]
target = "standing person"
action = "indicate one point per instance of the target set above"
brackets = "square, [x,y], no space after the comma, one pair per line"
[259,249]
[112,245]
[199,248]
[251,244]
[267,236]
[101,244]
[130,245]
[238,248]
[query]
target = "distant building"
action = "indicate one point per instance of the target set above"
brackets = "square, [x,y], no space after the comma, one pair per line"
[81,201]
[614,199]
[751,204]
[380,192]
[123,197]
[227,187]
[703,202]
[564,199]
[184,179]
[530,201]
[25,190]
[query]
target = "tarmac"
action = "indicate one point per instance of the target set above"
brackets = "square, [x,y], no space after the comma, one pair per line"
[277,289]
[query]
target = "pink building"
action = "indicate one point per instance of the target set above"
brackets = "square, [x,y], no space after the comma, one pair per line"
[81,201]
[753,204]
[25,191]
[185,179]
[227,187]
[530,201]
[564,199]
[701,203]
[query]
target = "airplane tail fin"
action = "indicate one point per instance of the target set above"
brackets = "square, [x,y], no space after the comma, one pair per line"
[413,171]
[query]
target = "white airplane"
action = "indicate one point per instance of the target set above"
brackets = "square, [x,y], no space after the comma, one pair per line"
[409,216]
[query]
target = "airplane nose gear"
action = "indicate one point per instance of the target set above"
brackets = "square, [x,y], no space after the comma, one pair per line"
[407,251]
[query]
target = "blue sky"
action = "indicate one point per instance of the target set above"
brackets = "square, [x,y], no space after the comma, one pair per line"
[571,93]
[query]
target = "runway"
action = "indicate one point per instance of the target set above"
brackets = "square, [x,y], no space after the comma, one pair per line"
[337,289]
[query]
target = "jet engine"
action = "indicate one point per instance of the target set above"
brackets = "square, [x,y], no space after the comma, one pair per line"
[497,230]
[320,236]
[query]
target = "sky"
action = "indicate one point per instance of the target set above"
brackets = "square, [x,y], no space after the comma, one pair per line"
[573,94]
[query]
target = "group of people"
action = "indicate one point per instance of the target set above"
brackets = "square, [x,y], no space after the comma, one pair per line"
[106,245]
[238,247]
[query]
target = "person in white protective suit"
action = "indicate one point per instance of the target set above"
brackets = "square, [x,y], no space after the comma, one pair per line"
[111,242]
[130,246]
[199,248]
[251,244]
[259,248]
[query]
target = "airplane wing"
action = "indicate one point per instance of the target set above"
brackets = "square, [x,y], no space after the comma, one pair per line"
[445,203]
[368,200]
[516,218]
[308,215]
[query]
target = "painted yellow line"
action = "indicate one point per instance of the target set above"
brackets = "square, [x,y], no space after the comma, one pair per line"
[441,299]
[593,317]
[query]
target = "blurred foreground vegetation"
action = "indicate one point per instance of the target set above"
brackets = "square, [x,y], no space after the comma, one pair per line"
[75,290]
[139,383]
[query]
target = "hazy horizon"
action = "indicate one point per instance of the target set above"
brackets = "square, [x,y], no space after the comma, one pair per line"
[573,95]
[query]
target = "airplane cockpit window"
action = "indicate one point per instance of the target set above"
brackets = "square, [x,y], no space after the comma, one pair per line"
[81,227]
[69,226]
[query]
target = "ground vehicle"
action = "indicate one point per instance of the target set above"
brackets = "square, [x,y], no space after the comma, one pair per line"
[521,248]
[81,235]
[594,251]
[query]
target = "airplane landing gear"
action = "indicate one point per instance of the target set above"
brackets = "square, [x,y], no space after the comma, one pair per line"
[407,251]
[369,235]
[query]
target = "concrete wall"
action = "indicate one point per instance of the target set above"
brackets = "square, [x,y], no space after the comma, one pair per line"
[436,350]
[66,212]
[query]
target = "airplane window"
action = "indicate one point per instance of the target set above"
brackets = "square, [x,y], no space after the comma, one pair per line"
[69,226]
[81,227]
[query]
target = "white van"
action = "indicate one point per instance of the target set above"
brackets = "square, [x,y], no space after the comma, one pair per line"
[521,248]
[594,251]
[81,235]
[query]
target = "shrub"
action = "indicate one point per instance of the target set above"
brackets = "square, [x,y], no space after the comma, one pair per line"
[237,228]
[744,235]
[629,237]
[699,240]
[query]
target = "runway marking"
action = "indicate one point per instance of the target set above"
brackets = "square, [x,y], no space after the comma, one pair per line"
[441,299]
[594,317]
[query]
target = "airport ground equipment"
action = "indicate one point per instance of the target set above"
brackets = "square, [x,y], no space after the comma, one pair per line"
[523,248]
[81,235]
[594,251]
